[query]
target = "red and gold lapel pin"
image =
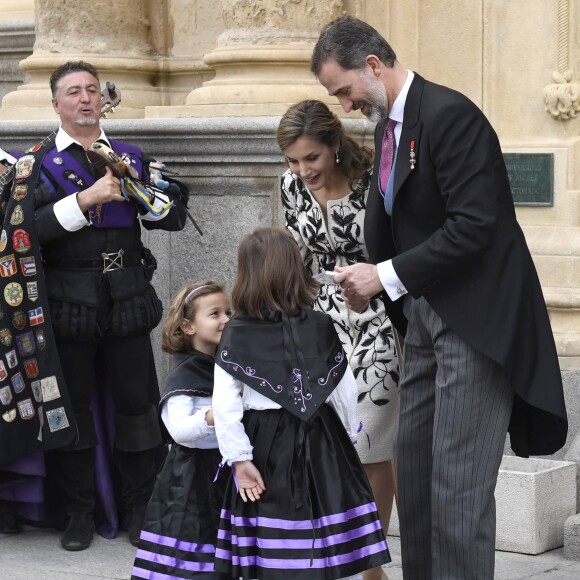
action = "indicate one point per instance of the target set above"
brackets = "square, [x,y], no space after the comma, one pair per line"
[412,155]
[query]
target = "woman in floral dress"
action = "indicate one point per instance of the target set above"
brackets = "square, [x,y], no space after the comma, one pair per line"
[324,193]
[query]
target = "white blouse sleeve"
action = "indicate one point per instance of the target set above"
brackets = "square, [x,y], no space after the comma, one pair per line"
[228,410]
[185,423]
[344,401]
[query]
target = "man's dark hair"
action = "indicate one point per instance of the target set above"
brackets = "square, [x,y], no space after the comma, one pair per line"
[349,41]
[72,66]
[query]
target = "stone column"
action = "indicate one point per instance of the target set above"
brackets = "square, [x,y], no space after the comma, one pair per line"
[16,40]
[16,9]
[114,37]
[261,60]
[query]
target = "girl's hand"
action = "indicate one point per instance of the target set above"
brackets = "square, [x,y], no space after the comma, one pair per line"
[209,417]
[250,483]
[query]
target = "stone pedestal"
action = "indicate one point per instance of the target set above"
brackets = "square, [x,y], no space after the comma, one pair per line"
[534,498]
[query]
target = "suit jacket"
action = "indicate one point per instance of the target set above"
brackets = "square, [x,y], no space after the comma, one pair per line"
[454,239]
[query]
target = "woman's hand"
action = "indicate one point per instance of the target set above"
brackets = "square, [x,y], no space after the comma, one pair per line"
[250,483]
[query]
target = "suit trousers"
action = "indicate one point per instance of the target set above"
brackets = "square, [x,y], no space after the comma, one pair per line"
[455,410]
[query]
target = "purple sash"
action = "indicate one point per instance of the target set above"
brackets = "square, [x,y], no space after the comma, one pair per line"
[73,177]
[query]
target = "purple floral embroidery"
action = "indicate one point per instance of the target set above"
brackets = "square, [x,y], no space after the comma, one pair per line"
[299,396]
[339,358]
[250,372]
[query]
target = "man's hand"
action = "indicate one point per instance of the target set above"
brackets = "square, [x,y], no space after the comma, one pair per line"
[106,189]
[359,283]
[250,483]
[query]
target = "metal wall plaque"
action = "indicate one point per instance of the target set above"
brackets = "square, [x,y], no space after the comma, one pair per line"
[531,178]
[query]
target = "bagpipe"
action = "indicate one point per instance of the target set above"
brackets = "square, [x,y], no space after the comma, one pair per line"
[144,194]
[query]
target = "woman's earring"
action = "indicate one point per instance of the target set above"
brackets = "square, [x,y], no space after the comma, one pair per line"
[336,157]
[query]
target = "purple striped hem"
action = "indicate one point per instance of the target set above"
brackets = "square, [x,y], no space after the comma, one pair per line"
[300,524]
[177,544]
[299,544]
[174,562]
[304,563]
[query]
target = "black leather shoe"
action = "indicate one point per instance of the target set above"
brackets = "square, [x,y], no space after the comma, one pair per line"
[135,524]
[9,520]
[78,533]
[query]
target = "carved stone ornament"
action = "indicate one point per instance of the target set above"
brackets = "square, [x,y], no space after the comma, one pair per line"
[259,21]
[562,99]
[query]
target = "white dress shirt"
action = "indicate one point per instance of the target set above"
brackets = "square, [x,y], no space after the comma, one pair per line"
[387,275]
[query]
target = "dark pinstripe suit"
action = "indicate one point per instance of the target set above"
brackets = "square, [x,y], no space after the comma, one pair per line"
[479,351]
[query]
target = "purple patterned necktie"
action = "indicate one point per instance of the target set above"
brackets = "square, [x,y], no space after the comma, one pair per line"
[387,153]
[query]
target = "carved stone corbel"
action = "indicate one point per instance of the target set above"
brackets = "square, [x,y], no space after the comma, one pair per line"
[562,99]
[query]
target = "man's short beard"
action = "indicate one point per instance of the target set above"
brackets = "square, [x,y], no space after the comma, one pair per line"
[86,122]
[377,100]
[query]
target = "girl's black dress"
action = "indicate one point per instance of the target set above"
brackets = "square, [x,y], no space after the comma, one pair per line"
[179,534]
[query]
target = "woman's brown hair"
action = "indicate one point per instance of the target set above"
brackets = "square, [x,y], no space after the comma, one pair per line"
[271,275]
[185,305]
[313,119]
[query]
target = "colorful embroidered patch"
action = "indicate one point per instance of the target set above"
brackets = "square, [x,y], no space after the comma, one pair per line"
[25,343]
[5,337]
[23,167]
[19,191]
[31,368]
[9,416]
[26,409]
[28,266]
[36,316]
[21,241]
[50,390]
[36,391]
[57,419]
[13,294]
[17,216]
[40,339]
[8,266]
[5,395]
[32,291]
[11,358]
[18,383]
[19,320]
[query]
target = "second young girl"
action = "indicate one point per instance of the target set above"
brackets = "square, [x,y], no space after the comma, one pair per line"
[180,529]
[285,416]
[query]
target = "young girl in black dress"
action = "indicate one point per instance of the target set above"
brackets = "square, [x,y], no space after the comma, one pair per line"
[285,417]
[180,529]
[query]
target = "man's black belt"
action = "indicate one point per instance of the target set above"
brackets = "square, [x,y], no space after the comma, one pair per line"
[108,262]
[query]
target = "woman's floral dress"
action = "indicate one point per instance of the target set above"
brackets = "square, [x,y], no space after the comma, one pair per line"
[367,338]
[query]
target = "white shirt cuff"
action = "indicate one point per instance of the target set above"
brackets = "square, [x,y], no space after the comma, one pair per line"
[69,214]
[390,281]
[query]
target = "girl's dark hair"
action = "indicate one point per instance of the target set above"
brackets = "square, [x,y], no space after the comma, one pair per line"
[185,305]
[271,275]
[313,119]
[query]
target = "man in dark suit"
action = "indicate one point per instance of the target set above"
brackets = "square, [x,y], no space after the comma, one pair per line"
[453,267]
